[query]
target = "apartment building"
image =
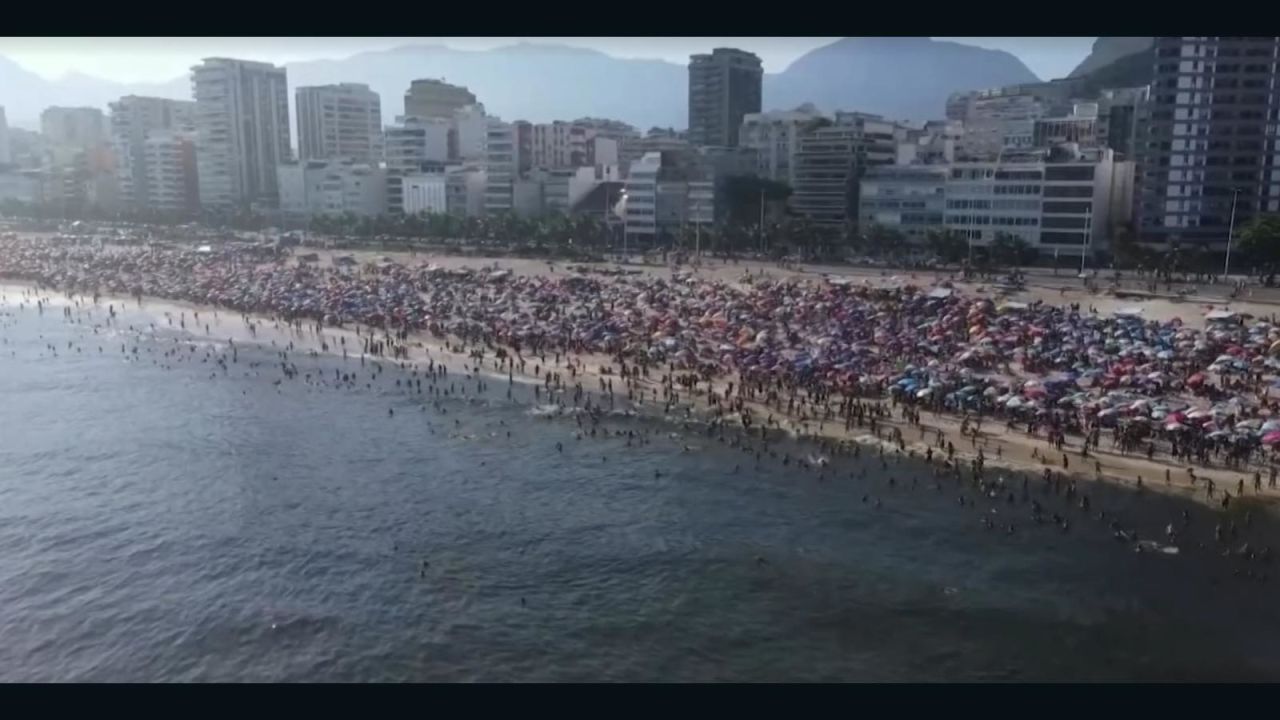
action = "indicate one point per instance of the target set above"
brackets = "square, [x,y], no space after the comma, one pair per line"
[664,192]
[908,198]
[74,127]
[242,123]
[724,86]
[135,119]
[339,122]
[168,172]
[413,145]
[1207,139]
[775,136]
[430,98]
[1063,200]
[508,160]
[320,187]
[830,161]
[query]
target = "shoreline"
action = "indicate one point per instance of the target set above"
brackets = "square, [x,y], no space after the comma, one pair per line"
[1003,450]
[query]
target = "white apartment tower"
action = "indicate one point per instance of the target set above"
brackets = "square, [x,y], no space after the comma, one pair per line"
[242,120]
[169,169]
[134,119]
[466,143]
[339,122]
[78,127]
[508,160]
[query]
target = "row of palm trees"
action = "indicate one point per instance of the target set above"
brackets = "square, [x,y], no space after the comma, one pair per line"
[788,235]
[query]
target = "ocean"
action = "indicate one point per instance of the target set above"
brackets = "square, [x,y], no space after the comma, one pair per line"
[164,520]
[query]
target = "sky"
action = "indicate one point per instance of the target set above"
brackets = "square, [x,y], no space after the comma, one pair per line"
[133,60]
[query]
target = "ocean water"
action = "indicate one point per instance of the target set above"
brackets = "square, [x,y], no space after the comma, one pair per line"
[185,524]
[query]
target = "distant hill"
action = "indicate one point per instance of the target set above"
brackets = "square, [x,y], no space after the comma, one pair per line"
[1133,70]
[903,78]
[1108,50]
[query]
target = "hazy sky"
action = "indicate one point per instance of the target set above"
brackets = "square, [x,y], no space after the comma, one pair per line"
[160,59]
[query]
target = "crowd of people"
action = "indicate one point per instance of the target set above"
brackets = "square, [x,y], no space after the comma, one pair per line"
[806,350]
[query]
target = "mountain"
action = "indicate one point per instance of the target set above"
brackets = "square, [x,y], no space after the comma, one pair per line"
[1132,70]
[24,95]
[531,82]
[902,78]
[1107,50]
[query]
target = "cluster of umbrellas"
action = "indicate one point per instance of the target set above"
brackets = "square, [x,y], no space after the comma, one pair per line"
[932,345]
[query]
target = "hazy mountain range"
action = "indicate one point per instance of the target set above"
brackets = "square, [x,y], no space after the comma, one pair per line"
[1108,50]
[903,78]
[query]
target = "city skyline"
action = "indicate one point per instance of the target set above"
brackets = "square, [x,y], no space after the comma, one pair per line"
[145,60]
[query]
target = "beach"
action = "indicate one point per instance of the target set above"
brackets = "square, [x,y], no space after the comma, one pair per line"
[243,502]
[1002,447]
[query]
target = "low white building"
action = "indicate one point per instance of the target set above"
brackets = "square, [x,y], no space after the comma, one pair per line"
[332,188]
[909,198]
[425,193]
[464,190]
[642,198]
[1062,201]
[663,195]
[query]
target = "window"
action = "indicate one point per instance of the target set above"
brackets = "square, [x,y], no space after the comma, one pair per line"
[1069,191]
[1061,238]
[1069,172]
[1064,222]
[1017,175]
[1066,207]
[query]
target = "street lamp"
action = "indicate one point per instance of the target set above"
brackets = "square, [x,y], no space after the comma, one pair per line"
[1226,268]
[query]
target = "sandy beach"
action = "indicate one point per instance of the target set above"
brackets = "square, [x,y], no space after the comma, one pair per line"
[1001,447]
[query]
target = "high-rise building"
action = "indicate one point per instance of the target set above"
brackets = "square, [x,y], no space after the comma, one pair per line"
[509,157]
[242,120]
[435,99]
[724,86]
[831,159]
[467,136]
[339,122]
[74,127]
[4,139]
[1207,142]
[168,172]
[134,119]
